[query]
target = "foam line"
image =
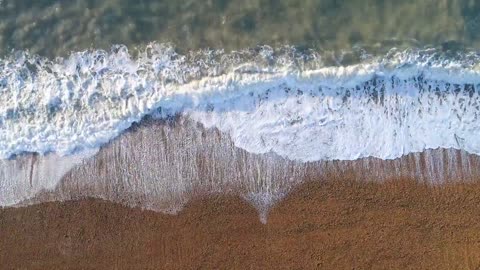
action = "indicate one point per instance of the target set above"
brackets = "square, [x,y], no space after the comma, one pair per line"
[290,104]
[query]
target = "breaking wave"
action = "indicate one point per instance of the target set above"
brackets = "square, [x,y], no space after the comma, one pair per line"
[285,101]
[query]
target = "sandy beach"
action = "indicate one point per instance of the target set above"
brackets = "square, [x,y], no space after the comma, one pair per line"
[331,225]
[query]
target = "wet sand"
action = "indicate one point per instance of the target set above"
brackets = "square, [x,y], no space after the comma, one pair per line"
[339,224]
[161,165]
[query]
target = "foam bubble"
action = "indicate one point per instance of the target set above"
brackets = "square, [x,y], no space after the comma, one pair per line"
[268,100]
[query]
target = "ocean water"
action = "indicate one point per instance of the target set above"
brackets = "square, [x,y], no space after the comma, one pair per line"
[56,28]
[295,82]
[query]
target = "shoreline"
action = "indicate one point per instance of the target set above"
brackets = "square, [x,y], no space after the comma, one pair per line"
[161,165]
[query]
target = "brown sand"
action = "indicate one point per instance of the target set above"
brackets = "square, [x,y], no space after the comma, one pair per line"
[336,225]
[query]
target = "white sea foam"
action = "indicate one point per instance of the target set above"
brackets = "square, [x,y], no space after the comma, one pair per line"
[288,103]
[21,179]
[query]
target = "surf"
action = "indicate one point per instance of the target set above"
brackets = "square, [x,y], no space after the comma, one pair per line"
[288,102]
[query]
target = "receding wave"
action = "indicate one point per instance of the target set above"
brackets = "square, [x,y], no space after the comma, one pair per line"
[268,100]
